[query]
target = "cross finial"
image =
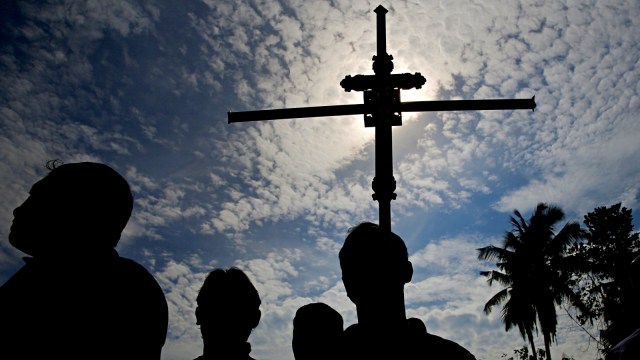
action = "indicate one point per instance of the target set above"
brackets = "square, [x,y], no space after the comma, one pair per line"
[382,64]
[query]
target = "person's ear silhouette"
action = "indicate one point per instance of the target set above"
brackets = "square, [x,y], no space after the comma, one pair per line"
[255,318]
[407,272]
[198,315]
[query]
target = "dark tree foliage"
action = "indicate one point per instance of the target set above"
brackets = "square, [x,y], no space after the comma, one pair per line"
[533,272]
[523,354]
[601,272]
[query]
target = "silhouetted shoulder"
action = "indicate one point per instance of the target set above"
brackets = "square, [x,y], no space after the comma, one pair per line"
[136,275]
[436,346]
[414,343]
[116,298]
[142,299]
[447,349]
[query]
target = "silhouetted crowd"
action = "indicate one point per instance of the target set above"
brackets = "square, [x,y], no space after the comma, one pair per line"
[76,298]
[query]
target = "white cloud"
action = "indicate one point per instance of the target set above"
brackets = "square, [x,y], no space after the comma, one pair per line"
[585,181]
[181,285]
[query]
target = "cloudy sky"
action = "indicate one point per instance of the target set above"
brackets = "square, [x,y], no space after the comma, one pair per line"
[146,87]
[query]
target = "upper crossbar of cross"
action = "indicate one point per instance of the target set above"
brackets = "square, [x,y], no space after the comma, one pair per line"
[383,109]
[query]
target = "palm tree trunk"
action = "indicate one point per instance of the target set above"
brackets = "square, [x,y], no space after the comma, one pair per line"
[547,346]
[533,346]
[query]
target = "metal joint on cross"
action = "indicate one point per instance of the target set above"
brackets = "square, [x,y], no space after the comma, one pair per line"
[382,64]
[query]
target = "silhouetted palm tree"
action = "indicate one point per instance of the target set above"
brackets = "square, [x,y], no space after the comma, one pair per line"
[517,309]
[533,273]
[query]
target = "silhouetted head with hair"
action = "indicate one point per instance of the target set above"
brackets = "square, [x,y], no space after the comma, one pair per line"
[317,332]
[372,263]
[77,207]
[228,310]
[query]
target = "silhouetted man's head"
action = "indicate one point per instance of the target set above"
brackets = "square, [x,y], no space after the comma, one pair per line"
[317,332]
[228,307]
[372,263]
[76,207]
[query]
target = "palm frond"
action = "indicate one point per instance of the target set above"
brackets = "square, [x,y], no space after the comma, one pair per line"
[491,253]
[569,235]
[501,278]
[495,300]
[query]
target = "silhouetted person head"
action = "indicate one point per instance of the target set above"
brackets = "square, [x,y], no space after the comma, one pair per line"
[374,267]
[76,298]
[228,309]
[317,332]
[76,207]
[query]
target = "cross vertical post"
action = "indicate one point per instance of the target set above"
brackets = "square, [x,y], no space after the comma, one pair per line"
[384,184]
[382,96]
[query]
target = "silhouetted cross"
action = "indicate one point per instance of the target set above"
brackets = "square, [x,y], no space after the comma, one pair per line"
[382,109]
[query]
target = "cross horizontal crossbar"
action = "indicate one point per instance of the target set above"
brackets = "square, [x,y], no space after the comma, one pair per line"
[355,109]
